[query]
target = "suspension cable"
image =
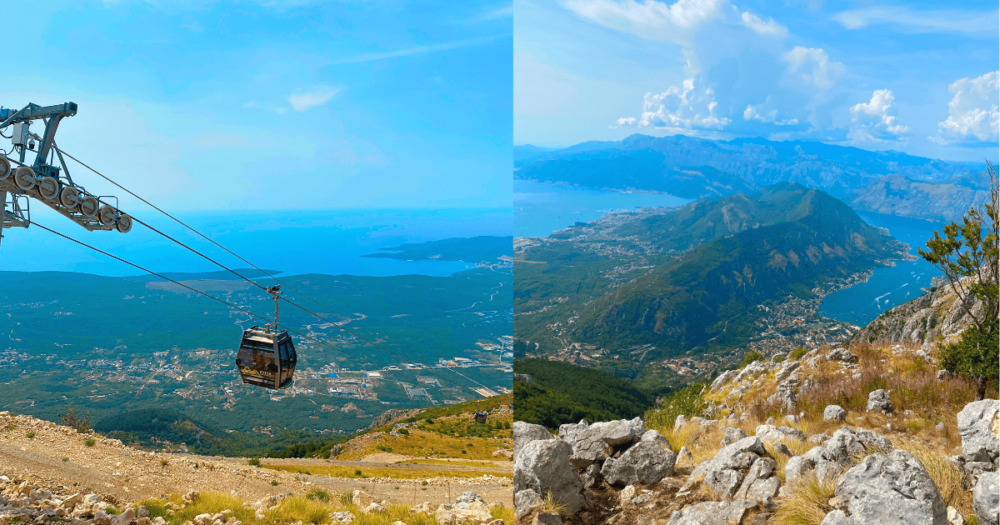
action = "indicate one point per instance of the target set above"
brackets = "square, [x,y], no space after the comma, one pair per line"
[289,301]
[199,292]
[196,232]
[248,312]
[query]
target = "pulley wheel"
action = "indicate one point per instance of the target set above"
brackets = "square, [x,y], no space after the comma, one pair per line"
[89,206]
[48,188]
[4,169]
[69,197]
[24,178]
[107,215]
[124,224]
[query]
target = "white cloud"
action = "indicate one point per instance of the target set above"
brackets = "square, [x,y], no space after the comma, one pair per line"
[938,21]
[753,113]
[878,112]
[973,111]
[678,108]
[816,65]
[649,19]
[761,27]
[316,97]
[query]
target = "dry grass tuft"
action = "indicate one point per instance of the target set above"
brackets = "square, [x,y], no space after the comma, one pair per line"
[807,503]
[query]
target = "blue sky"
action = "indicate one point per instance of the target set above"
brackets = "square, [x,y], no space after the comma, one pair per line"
[271,104]
[919,77]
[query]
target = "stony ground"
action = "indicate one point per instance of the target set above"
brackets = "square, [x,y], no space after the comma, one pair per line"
[47,454]
[920,450]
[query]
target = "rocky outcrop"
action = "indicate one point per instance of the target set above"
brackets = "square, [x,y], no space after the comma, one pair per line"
[834,413]
[986,498]
[772,434]
[544,466]
[894,488]
[979,426]
[838,452]
[584,456]
[527,432]
[936,315]
[879,400]
[726,473]
[644,462]
[712,513]
[468,508]
[595,443]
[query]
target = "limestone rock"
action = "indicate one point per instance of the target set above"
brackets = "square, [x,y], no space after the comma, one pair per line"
[525,433]
[732,435]
[723,379]
[843,355]
[879,400]
[894,488]
[644,462]
[544,466]
[526,501]
[986,498]
[834,413]
[979,426]
[724,473]
[712,513]
[598,441]
[771,433]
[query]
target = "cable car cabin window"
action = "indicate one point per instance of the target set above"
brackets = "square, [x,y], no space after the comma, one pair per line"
[256,358]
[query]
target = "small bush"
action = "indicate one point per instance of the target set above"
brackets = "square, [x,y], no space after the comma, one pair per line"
[70,420]
[319,495]
[90,442]
[65,460]
[274,483]
[798,353]
[30,435]
[750,358]
[254,462]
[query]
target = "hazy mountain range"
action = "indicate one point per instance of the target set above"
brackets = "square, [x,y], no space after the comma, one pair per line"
[881,181]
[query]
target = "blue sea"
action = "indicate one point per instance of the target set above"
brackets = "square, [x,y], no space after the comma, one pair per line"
[540,208]
[330,241]
[888,287]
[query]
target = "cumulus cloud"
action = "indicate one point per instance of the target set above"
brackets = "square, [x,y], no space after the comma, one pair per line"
[877,113]
[316,97]
[770,117]
[761,27]
[814,64]
[973,111]
[678,108]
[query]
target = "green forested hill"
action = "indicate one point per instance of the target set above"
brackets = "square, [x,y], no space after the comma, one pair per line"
[563,393]
[685,279]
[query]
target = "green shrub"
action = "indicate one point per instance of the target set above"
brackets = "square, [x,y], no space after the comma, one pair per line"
[750,358]
[798,353]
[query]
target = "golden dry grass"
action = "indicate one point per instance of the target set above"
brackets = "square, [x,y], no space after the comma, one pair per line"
[402,472]
[806,503]
[423,444]
[295,509]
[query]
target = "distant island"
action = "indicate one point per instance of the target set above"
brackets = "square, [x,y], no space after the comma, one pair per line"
[472,249]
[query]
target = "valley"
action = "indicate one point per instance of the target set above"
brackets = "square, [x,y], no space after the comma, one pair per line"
[154,346]
[663,296]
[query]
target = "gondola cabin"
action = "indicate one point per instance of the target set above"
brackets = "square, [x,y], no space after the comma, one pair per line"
[266,358]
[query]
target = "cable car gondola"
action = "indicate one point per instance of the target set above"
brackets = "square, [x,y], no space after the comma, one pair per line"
[267,356]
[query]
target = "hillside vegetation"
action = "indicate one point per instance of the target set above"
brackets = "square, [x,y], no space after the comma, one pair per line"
[559,393]
[629,291]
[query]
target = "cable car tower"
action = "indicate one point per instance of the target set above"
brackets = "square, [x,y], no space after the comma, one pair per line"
[42,180]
